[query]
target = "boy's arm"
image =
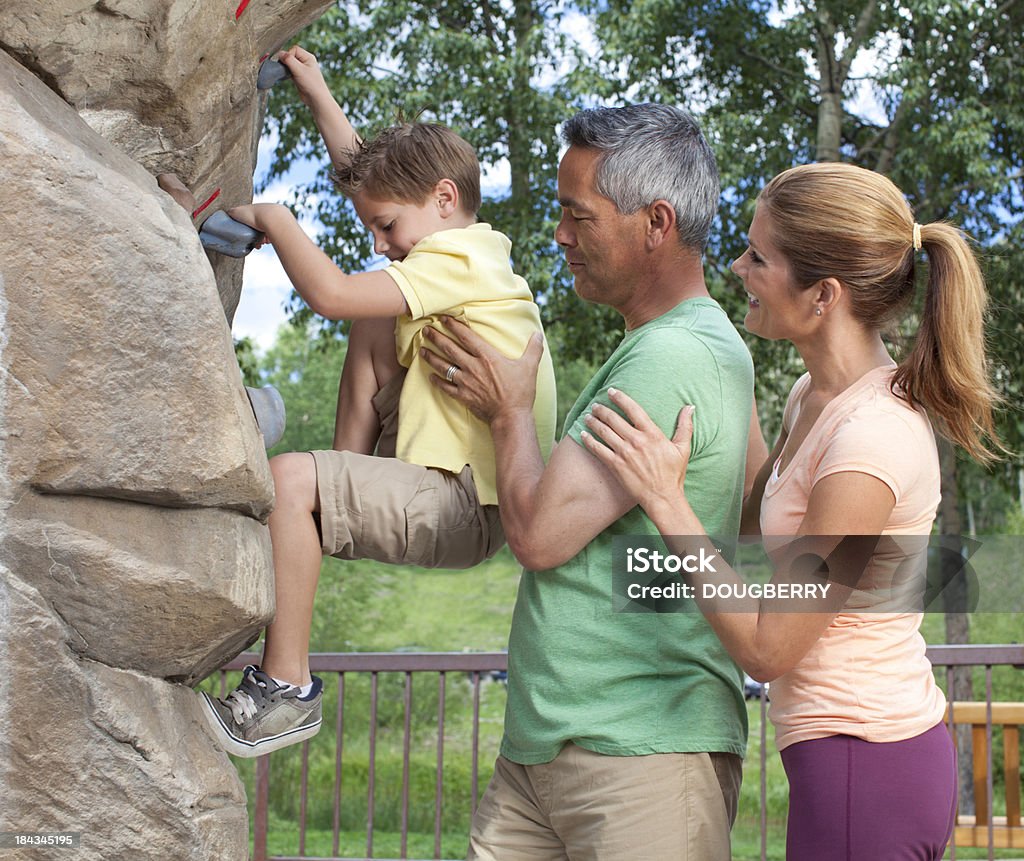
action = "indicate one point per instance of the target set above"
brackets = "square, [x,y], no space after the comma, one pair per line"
[338,134]
[327,290]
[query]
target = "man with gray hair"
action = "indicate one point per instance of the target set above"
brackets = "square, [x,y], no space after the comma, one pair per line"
[624,731]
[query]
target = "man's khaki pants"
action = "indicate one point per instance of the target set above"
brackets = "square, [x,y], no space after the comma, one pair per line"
[584,806]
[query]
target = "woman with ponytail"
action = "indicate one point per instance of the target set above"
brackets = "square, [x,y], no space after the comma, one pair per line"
[831,264]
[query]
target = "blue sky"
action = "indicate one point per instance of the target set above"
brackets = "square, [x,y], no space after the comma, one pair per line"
[265,287]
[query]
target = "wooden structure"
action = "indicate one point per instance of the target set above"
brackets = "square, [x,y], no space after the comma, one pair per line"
[1002,832]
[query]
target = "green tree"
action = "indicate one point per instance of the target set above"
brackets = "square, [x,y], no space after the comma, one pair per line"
[305,367]
[248,360]
[496,73]
[926,91]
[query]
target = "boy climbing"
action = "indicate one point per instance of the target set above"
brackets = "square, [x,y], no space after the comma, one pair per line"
[411,476]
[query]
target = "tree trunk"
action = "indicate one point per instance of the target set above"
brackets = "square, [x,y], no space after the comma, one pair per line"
[525,19]
[955,597]
[830,89]
[830,120]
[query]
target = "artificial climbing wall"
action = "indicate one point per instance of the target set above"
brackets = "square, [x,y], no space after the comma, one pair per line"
[134,488]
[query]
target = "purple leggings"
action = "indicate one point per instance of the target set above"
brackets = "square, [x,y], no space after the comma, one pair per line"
[855,800]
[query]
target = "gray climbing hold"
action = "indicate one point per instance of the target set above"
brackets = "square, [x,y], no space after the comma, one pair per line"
[221,233]
[268,407]
[271,71]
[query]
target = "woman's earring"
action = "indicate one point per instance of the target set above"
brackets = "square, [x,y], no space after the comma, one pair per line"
[817,311]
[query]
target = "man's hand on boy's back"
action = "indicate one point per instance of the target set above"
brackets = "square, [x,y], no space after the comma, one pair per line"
[473,372]
[306,74]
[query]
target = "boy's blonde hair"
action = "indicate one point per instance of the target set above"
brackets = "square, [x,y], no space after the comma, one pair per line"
[405,161]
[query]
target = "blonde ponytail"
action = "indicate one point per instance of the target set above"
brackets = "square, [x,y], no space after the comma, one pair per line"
[946,370]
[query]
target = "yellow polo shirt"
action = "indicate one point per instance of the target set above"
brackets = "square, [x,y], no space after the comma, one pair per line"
[463,273]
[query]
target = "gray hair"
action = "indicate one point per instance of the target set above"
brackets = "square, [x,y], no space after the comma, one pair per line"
[652,152]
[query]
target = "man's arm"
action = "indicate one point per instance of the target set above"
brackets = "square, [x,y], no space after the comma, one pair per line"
[549,513]
[757,452]
[339,136]
[759,469]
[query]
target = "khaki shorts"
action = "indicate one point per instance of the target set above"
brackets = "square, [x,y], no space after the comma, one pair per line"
[378,507]
[585,806]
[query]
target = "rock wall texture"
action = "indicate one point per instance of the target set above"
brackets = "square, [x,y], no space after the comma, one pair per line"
[134,487]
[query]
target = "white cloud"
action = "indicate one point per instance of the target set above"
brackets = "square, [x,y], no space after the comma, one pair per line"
[265,286]
[870,63]
[265,289]
[496,179]
[580,29]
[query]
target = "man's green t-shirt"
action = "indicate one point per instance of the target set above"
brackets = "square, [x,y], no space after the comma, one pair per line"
[621,683]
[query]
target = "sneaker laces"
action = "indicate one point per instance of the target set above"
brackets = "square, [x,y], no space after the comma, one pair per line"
[256,692]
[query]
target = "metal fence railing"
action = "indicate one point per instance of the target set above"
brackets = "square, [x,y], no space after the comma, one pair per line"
[479,668]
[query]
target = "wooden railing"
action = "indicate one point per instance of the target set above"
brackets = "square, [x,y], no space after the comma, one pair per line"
[984,828]
[980,715]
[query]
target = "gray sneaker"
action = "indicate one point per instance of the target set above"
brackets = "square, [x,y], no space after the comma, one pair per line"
[261,716]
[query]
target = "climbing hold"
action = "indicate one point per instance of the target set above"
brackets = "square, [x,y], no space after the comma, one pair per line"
[268,407]
[221,233]
[170,183]
[271,71]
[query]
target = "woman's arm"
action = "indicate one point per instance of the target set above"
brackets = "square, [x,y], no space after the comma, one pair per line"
[767,637]
[759,470]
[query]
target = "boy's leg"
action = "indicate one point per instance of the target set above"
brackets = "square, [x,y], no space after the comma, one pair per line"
[370,363]
[297,557]
[377,508]
[369,508]
[268,710]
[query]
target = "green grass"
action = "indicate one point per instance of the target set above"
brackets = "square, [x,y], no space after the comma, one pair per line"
[452,611]
[365,606]
[284,840]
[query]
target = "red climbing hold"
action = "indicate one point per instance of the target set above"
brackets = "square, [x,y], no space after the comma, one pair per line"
[208,201]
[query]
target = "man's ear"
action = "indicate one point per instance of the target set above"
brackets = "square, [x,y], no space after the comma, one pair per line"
[661,223]
[446,195]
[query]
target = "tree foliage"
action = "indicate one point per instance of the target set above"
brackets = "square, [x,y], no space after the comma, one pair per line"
[305,368]
[926,91]
[493,71]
